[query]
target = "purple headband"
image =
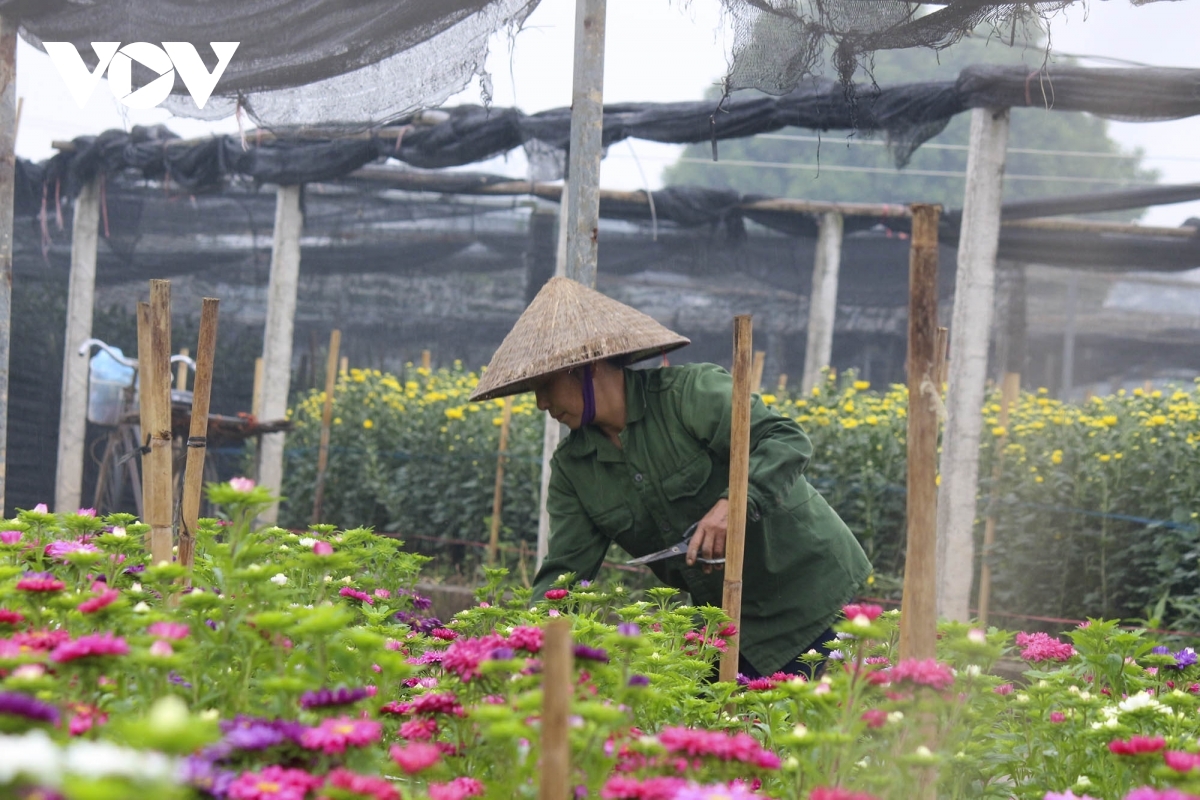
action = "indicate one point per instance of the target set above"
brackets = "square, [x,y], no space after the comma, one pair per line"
[589,397]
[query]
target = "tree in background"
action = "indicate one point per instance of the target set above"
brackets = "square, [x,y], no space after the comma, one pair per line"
[856,166]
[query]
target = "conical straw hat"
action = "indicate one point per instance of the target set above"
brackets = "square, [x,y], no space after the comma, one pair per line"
[568,325]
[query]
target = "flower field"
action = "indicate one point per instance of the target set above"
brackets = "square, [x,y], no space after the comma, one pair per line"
[303,665]
[1097,505]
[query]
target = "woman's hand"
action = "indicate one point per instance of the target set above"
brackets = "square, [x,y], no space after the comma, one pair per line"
[709,539]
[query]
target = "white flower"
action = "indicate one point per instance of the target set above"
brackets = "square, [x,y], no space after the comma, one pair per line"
[284,547]
[329,579]
[977,636]
[1083,780]
[923,752]
[306,541]
[210,714]
[100,759]
[800,731]
[1021,697]
[895,716]
[791,764]
[863,763]
[974,671]
[33,755]
[1137,702]
[347,580]
[141,608]
[254,568]
[279,579]
[136,588]
[118,533]
[861,621]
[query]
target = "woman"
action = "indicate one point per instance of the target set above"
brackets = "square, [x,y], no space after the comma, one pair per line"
[648,456]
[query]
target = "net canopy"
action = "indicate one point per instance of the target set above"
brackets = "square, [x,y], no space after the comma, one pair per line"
[297,61]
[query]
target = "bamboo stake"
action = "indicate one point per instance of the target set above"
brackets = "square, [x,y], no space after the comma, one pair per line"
[335,346]
[557,668]
[1009,389]
[344,366]
[782,387]
[426,359]
[181,371]
[156,385]
[739,476]
[144,359]
[918,621]
[941,345]
[756,372]
[498,492]
[197,442]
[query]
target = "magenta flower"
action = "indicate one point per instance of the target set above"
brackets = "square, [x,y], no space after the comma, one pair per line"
[556,594]
[1042,647]
[273,783]
[926,672]
[527,638]
[106,598]
[161,649]
[838,793]
[168,630]
[322,549]
[437,703]
[241,484]
[657,788]
[62,549]
[421,729]
[362,785]
[1057,716]
[720,791]
[412,758]
[10,537]
[741,747]
[464,656]
[333,736]
[92,644]
[8,617]
[325,698]
[1181,761]
[457,789]
[1137,745]
[1004,689]
[40,582]
[355,594]
[855,610]
[1149,793]
[86,512]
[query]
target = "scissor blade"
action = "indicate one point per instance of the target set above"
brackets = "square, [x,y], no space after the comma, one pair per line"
[674,550]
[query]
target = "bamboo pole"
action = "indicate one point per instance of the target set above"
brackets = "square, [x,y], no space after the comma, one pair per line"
[782,386]
[156,388]
[144,359]
[331,363]
[344,366]
[197,442]
[756,371]
[498,492]
[918,620]
[426,360]
[181,370]
[941,344]
[1009,389]
[557,668]
[739,476]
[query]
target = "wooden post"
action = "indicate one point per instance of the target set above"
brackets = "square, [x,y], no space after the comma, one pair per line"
[344,366]
[739,476]
[81,294]
[197,443]
[1009,391]
[756,370]
[498,491]
[971,326]
[782,385]
[822,300]
[181,371]
[941,358]
[277,338]
[558,667]
[331,362]
[426,360]
[156,399]
[8,137]
[585,151]
[552,431]
[918,620]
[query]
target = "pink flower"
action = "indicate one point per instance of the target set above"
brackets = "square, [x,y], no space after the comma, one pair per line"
[322,549]
[527,638]
[8,617]
[421,729]
[382,594]
[1181,761]
[719,791]
[457,789]
[436,703]
[657,788]
[85,718]
[40,582]
[1149,793]
[92,644]
[761,685]
[333,736]
[1137,745]
[168,630]
[1041,647]
[464,656]
[273,783]
[445,634]
[369,786]
[240,484]
[927,672]
[838,793]
[556,594]
[854,610]
[415,757]
[86,512]
[1067,795]
[875,717]
[741,747]
[105,598]
[61,550]
[161,648]
[1004,689]
[10,537]
[1058,716]
[346,591]
[41,508]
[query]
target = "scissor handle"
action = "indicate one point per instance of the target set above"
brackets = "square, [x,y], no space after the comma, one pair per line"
[687,537]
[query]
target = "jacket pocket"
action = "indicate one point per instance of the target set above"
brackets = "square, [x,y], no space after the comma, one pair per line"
[689,479]
[614,521]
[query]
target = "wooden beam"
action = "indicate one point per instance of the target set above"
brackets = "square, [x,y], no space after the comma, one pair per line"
[918,609]
[8,137]
[331,373]
[81,297]
[277,337]
[822,300]
[197,443]
[585,151]
[498,490]
[558,668]
[739,478]
[156,394]
[969,331]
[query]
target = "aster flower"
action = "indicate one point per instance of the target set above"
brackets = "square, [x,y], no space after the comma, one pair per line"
[85,718]
[1184,658]
[421,729]
[1181,761]
[92,644]
[875,717]
[61,550]
[436,703]
[40,640]
[168,630]
[365,785]
[355,594]
[1149,793]
[322,549]
[556,594]
[204,774]
[17,704]
[333,736]
[457,789]
[1042,647]
[838,793]
[855,610]
[325,698]
[760,684]
[629,629]
[273,783]
[40,582]
[741,747]
[241,484]
[103,600]
[527,638]
[10,537]
[585,653]
[926,672]
[657,788]
[8,617]
[464,656]
[639,680]
[719,791]
[415,757]
[444,634]
[1137,745]
[255,733]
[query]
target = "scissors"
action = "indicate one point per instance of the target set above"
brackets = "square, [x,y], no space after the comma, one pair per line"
[677,550]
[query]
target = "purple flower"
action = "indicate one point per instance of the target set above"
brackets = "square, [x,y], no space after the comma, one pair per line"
[584,584]
[1184,658]
[1160,650]
[502,654]
[16,704]
[421,603]
[585,653]
[324,698]
[742,680]
[255,733]
[629,629]
[204,774]
[639,680]
[175,678]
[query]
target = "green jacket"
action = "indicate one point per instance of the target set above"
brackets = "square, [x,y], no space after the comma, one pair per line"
[802,564]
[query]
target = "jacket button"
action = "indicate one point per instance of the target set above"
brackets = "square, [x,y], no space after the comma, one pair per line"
[666,526]
[638,477]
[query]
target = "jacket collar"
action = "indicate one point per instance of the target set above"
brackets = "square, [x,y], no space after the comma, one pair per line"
[586,441]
